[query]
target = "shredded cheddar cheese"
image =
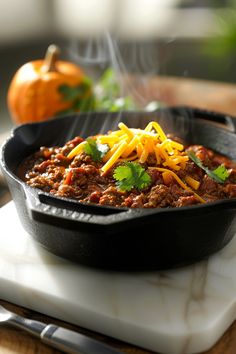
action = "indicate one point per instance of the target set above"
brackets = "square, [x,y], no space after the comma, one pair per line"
[180,182]
[119,151]
[192,182]
[77,150]
[128,142]
[151,140]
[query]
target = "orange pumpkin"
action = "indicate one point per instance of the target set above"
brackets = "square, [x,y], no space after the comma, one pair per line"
[43,89]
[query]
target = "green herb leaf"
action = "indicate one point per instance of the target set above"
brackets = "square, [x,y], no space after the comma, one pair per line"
[220,174]
[108,94]
[71,93]
[95,150]
[79,97]
[131,175]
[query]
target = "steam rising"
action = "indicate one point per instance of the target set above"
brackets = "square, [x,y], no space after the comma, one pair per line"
[100,53]
[139,59]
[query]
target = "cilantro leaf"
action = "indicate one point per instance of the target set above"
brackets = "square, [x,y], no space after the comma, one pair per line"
[80,97]
[131,175]
[95,150]
[71,93]
[220,174]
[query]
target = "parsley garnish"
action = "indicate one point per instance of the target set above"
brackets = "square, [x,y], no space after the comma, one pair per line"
[95,150]
[131,175]
[220,174]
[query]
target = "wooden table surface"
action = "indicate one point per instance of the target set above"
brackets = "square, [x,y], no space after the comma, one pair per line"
[219,97]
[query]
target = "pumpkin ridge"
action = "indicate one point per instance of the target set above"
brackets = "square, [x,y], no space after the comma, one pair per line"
[34,94]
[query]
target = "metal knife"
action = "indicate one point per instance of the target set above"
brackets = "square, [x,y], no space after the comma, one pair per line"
[57,337]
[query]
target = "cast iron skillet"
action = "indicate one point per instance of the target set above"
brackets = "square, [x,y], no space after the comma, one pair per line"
[120,238]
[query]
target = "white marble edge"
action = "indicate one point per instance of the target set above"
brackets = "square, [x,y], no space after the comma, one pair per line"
[182,311]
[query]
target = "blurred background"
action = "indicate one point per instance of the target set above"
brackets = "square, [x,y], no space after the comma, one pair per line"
[183,38]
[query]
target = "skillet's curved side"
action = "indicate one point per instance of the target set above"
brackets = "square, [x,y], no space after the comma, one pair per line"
[122,239]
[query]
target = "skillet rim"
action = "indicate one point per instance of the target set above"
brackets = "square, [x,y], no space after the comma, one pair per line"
[136,212]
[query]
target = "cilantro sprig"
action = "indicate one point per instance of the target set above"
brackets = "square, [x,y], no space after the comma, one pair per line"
[220,174]
[95,150]
[131,175]
[79,98]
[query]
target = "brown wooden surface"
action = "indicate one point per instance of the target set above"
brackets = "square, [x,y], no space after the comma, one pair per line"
[172,91]
[220,97]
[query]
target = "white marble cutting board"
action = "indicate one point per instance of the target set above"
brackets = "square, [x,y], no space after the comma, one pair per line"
[172,312]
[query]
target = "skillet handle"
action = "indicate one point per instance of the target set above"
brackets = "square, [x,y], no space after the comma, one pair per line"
[63,212]
[225,121]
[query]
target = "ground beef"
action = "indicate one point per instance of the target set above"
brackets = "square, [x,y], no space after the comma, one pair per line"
[50,170]
[159,196]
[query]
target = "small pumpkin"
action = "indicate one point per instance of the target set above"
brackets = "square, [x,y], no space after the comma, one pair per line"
[43,89]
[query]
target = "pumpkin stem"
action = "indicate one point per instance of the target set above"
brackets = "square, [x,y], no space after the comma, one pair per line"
[51,57]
